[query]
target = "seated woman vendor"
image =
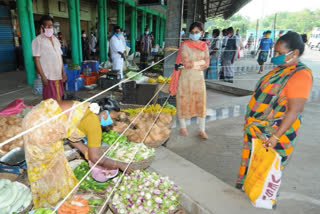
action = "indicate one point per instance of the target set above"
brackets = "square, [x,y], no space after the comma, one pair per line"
[49,173]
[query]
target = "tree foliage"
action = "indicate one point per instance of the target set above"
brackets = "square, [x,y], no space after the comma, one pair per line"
[302,21]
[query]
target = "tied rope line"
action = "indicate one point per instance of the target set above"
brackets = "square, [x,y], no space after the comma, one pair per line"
[77,105]
[119,180]
[104,154]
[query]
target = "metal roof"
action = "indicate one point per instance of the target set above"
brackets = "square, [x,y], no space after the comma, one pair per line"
[216,8]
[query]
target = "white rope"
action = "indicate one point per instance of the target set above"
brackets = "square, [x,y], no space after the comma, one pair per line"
[104,154]
[114,188]
[75,106]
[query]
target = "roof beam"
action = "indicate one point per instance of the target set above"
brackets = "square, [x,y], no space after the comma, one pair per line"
[218,7]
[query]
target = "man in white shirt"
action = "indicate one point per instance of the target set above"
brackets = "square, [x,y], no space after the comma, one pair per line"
[47,54]
[118,50]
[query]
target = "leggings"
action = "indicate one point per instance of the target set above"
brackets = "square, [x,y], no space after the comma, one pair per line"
[201,121]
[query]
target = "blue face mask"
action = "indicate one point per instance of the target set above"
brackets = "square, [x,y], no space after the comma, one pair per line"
[106,122]
[147,32]
[279,60]
[117,34]
[195,37]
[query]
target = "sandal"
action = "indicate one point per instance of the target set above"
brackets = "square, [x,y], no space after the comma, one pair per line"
[203,135]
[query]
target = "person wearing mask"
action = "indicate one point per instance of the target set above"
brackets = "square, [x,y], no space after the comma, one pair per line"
[215,49]
[93,43]
[118,50]
[145,48]
[49,173]
[188,81]
[206,38]
[47,54]
[265,45]
[85,46]
[229,55]
[274,111]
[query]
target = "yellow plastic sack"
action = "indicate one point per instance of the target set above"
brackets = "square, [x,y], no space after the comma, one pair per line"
[264,176]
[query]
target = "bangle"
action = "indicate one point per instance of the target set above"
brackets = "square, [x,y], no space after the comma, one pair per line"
[275,137]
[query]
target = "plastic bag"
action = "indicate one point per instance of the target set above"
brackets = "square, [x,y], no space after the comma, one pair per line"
[14,108]
[264,176]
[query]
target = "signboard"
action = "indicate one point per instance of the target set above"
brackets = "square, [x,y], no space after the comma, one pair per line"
[151,2]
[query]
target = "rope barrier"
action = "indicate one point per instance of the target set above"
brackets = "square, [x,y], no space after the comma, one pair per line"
[75,106]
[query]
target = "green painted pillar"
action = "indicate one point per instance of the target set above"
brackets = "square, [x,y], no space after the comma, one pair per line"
[75,31]
[24,8]
[123,16]
[102,27]
[120,13]
[133,29]
[157,31]
[161,32]
[143,22]
[150,23]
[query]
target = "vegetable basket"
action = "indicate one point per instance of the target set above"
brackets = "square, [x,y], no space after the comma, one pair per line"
[143,164]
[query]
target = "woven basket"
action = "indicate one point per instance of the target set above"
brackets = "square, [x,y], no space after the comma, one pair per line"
[156,144]
[143,164]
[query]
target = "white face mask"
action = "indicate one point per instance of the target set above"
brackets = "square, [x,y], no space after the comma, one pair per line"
[84,35]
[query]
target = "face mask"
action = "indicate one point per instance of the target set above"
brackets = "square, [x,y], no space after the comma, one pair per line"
[182,33]
[279,60]
[48,32]
[117,34]
[147,32]
[84,35]
[106,122]
[207,37]
[195,37]
[229,34]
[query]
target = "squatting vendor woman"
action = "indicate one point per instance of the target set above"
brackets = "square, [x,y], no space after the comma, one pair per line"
[274,111]
[50,176]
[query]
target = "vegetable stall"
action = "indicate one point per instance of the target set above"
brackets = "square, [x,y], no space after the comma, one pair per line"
[140,192]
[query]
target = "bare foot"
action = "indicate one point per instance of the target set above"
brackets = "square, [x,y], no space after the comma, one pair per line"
[203,135]
[183,132]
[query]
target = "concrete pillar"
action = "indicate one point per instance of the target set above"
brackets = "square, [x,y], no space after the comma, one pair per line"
[102,27]
[75,31]
[150,22]
[173,28]
[133,29]
[191,14]
[25,14]
[157,31]
[143,22]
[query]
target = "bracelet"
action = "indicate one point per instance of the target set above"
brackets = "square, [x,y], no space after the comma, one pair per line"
[275,137]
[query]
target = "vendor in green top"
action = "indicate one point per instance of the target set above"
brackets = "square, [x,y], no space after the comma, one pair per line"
[49,173]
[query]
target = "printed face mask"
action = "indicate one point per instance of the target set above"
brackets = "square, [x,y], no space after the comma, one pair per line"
[279,60]
[48,32]
[195,37]
[106,122]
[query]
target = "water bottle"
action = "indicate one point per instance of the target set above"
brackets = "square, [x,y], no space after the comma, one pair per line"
[37,86]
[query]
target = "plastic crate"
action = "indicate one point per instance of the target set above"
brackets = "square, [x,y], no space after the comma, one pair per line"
[171,100]
[72,74]
[90,80]
[105,83]
[94,65]
[145,92]
[129,85]
[75,85]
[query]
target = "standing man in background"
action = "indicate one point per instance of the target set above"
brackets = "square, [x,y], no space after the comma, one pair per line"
[47,54]
[93,43]
[85,46]
[265,45]
[118,50]
[145,48]
[229,56]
